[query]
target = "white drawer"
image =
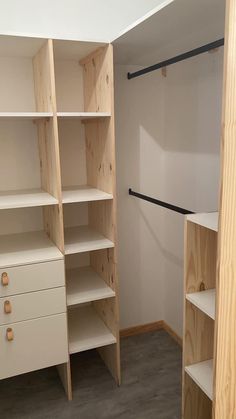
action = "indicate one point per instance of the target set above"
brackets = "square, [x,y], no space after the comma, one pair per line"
[36,344]
[33,277]
[32,305]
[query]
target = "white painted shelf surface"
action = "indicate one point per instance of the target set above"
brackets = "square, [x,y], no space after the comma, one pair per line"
[26,115]
[87,330]
[26,198]
[25,248]
[202,374]
[83,115]
[84,239]
[85,285]
[208,220]
[204,300]
[83,193]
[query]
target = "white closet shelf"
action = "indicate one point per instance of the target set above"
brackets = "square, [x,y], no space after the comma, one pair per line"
[26,248]
[85,285]
[83,193]
[26,115]
[87,330]
[204,300]
[84,239]
[83,115]
[208,220]
[26,198]
[202,374]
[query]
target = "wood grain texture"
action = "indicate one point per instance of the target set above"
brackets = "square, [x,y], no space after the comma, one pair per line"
[196,404]
[101,218]
[224,402]
[43,78]
[104,263]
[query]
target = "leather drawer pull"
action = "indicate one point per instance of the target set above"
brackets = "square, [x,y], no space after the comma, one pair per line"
[5,279]
[9,334]
[7,307]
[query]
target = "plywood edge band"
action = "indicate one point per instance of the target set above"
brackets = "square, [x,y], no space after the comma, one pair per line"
[151,327]
[92,55]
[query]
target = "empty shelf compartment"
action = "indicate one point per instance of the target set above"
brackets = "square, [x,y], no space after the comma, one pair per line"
[87,330]
[85,285]
[83,194]
[204,300]
[84,239]
[202,374]
[26,198]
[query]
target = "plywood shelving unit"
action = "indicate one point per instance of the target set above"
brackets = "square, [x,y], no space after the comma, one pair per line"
[58,185]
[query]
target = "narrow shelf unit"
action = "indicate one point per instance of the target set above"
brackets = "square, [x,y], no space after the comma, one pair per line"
[85,285]
[57,184]
[87,330]
[199,314]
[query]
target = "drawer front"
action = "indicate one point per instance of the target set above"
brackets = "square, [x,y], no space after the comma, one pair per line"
[35,344]
[35,277]
[32,305]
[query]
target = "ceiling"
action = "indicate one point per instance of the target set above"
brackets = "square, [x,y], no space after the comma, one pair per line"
[89,20]
[180,26]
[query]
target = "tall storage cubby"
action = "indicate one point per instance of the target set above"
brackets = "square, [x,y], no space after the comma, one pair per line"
[57,205]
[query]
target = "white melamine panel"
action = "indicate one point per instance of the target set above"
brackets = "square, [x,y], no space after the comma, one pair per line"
[36,344]
[27,248]
[83,115]
[208,220]
[72,152]
[26,198]
[20,220]
[35,277]
[69,86]
[75,214]
[20,46]
[16,85]
[19,157]
[87,330]
[84,285]
[32,305]
[205,301]
[83,193]
[202,375]
[25,115]
[84,239]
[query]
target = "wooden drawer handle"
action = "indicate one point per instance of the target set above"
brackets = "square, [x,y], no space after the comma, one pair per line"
[5,279]
[9,334]
[7,307]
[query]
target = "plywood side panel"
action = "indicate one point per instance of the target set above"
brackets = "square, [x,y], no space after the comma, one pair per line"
[104,263]
[64,372]
[196,405]
[111,357]
[101,218]
[200,258]
[44,79]
[98,80]
[224,403]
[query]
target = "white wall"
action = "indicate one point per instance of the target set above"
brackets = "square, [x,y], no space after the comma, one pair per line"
[101,20]
[168,136]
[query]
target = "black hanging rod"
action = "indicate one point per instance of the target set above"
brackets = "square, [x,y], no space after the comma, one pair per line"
[178,58]
[160,203]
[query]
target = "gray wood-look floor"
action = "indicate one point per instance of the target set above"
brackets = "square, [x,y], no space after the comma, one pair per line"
[151,386]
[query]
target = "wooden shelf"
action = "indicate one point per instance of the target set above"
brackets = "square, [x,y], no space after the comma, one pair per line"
[84,239]
[25,248]
[83,194]
[202,374]
[208,220]
[204,300]
[85,285]
[87,330]
[26,198]
[26,115]
[83,115]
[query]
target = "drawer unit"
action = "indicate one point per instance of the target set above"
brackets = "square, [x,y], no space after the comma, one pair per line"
[33,344]
[32,305]
[35,277]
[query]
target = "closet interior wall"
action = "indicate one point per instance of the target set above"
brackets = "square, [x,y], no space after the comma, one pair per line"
[168,138]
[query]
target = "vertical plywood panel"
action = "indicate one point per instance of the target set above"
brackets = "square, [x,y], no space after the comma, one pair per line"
[196,404]
[224,403]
